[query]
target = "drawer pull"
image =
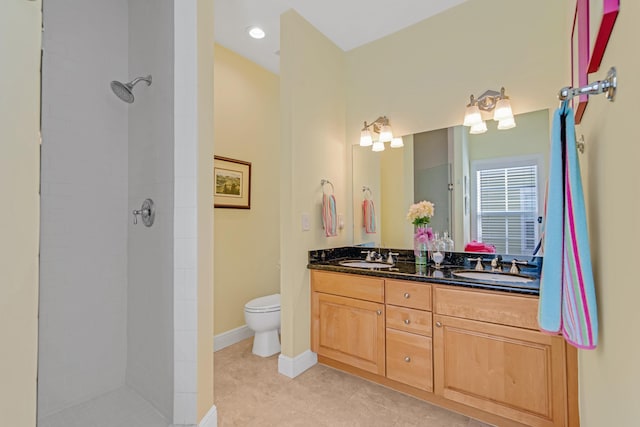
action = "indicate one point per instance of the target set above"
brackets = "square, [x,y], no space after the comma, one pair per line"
[407,295]
[407,321]
[378,312]
[439,324]
[407,359]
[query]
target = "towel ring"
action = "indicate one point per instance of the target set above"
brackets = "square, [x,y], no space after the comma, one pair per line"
[366,190]
[326,181]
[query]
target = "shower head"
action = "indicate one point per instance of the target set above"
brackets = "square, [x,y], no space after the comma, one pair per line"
[124,91]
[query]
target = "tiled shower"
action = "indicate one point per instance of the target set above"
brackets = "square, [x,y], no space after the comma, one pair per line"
[117,319]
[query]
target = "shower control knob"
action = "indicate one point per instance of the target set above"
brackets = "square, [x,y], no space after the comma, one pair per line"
[147,213]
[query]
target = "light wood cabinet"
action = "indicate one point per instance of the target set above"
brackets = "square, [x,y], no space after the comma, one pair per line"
[474,351]
[512,372]
[348,330]
[409,359]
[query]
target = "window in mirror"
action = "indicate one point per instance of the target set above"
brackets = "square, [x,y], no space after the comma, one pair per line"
[506,200]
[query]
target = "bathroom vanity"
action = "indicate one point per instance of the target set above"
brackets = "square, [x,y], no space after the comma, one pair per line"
[465,345]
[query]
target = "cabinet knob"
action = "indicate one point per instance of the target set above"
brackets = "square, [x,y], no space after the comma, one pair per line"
[378,312]
[439,324]
[407,295]
[407,321]
[407,359]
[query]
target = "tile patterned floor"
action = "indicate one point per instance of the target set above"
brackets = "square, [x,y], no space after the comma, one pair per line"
[249,391]
[120,408]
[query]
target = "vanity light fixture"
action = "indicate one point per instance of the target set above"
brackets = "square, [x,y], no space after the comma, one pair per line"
[382,127]
[489,101]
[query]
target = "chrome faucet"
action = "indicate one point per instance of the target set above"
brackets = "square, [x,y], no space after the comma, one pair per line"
[479,265]
[514,266]
[496,264]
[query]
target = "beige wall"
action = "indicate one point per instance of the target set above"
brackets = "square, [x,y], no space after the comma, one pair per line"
[421,78]
[313,108]
[205,207]
[247,127]
[20,23]
[609,376]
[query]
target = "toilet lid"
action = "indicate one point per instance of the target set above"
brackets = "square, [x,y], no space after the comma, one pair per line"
[262,304]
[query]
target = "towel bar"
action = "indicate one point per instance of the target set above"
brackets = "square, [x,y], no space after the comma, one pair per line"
[608,86]
[326,181]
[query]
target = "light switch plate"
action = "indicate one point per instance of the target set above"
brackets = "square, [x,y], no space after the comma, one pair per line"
[305,222]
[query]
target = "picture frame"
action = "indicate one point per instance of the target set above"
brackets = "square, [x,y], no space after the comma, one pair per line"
[231,183]
[580,56]
[600,29]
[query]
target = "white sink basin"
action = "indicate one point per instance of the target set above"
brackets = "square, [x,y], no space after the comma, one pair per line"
[493,276]
[365,264]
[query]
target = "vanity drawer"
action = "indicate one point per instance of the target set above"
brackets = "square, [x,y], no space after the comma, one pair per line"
[408,294]
[348,285]
[409,320]
[512,310]
[409,359]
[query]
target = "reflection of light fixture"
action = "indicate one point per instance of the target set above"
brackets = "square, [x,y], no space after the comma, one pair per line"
[396,142]
[385,134]
[489,101]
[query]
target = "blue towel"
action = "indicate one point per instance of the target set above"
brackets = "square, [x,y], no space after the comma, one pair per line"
[551,276]
[567,290]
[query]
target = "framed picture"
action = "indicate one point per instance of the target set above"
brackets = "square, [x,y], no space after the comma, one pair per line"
[231,183]
[580,56]
[603,14]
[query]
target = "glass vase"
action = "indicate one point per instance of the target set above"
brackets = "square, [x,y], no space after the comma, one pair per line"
[421,244]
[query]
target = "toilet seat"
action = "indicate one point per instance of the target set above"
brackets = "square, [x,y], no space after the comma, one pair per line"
[267,304]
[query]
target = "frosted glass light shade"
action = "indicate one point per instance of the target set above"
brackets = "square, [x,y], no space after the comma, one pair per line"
[385,134]
[507,123]
[472,116]
[365,138]
[478,128]
[397,142]
[378,146]
[503,110]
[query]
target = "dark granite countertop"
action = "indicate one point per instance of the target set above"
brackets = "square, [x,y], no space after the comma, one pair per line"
[406,269]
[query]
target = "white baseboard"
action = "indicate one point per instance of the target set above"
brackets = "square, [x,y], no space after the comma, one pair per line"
[210,419]
[294,366]
[231,337]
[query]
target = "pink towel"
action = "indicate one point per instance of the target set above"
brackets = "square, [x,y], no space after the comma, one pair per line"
[369,216]
[329,220]
[475,246]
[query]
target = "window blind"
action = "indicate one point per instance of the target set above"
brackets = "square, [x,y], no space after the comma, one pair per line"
[507,208]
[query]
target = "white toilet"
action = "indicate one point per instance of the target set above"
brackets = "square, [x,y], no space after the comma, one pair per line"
[263,317]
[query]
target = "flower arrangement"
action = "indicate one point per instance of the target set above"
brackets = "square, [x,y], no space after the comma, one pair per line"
[420,213]
[423,234]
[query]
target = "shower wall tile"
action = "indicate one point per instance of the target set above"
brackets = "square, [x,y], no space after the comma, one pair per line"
[83,280]
[186,250]
[150,310]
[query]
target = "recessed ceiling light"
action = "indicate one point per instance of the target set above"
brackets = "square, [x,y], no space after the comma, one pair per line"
[256,32]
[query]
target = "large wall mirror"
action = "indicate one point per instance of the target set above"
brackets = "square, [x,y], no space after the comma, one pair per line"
[487,187]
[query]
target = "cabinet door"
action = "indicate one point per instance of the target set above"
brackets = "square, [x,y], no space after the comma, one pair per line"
[349,330]
[512,372]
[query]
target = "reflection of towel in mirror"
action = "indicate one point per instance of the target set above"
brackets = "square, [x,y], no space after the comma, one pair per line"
[567,292]
[369,216]
[329,220]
